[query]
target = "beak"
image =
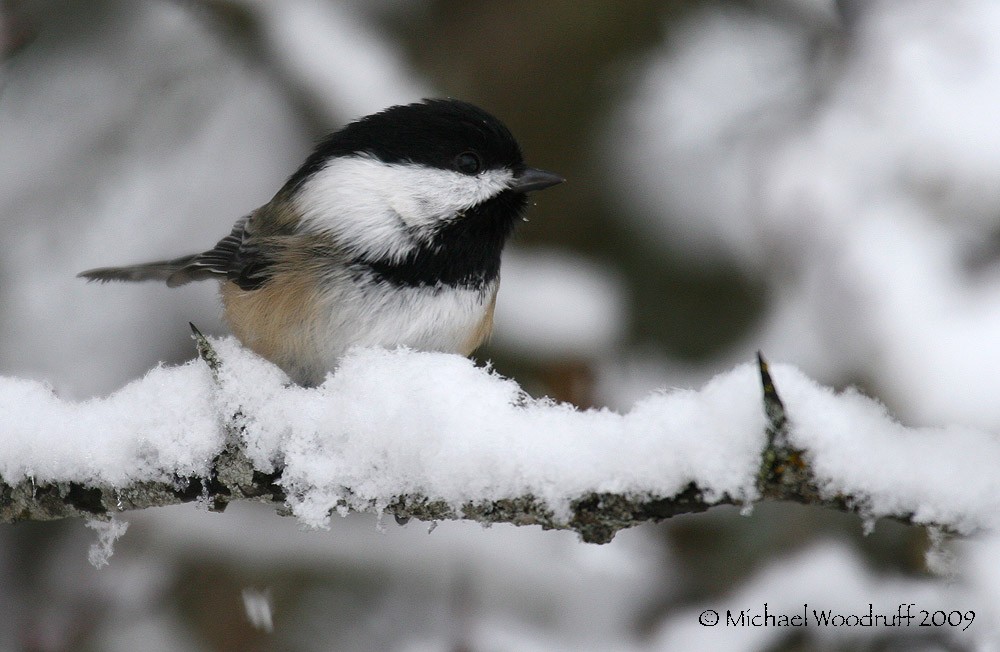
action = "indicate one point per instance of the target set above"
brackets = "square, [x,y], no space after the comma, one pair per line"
[534,179]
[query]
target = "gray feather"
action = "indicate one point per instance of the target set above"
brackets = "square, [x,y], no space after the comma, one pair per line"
[161,270]
[236,257]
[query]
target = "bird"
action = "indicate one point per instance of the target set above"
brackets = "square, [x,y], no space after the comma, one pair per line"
[388,235]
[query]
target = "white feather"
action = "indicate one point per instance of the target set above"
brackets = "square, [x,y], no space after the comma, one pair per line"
[385,209]
[424,318]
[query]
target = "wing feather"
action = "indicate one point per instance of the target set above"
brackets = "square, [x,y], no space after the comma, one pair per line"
[238,257]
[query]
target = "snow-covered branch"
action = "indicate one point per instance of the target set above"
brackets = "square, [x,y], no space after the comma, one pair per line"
[432,437]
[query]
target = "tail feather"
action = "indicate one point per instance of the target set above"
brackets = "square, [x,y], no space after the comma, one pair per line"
[162,270]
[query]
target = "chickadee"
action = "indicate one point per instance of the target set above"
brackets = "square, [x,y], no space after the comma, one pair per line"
[388,235]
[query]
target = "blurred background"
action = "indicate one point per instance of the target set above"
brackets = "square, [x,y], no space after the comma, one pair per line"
[816,179]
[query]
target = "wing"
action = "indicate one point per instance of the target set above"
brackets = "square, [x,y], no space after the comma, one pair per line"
[241,257]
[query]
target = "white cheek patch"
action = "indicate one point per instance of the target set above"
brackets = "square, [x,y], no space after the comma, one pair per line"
[385,210]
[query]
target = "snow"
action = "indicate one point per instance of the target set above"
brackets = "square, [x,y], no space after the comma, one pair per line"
[399,422]
[107,165]
[259,607]
[855,171]
[108,532]
[945,475]
[152,429]
[387,423]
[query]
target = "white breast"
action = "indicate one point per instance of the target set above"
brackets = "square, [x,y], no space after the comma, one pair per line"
[424,318]
[307,332]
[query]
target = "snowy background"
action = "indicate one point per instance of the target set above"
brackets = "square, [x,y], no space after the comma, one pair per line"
[818,180]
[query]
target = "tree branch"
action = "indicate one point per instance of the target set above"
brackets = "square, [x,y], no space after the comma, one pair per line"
[784,475]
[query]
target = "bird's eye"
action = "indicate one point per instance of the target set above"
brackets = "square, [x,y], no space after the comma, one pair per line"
[468,163]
